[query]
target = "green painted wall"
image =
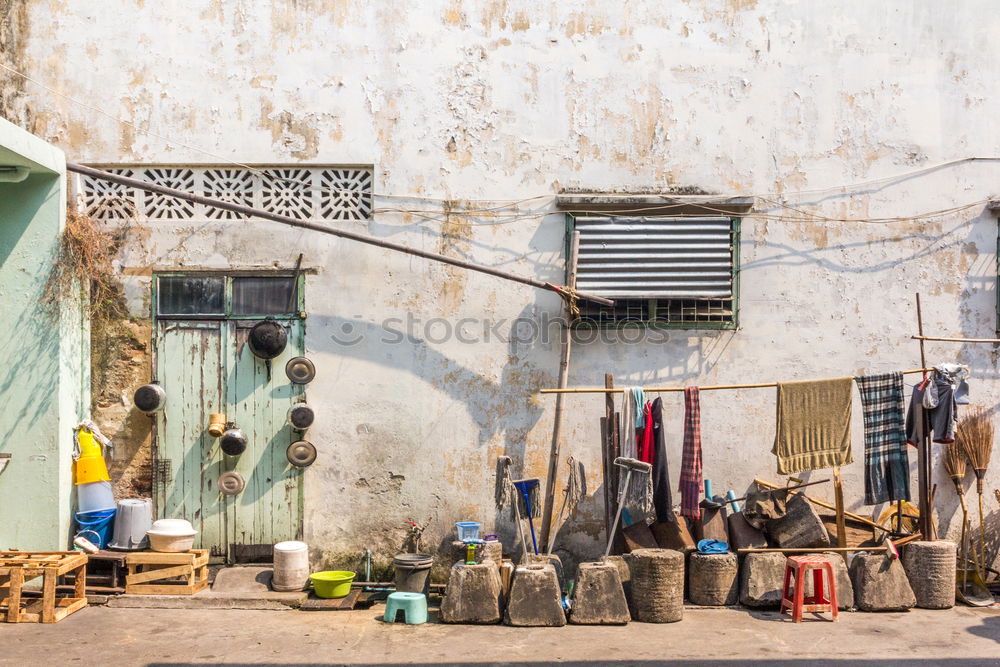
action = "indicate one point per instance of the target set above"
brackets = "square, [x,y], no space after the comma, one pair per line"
[43,351]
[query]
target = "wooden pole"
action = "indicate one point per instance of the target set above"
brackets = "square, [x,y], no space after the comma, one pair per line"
[923,451]
[614,449]
[838,495]
[957,340]
[567,349]
[324,228]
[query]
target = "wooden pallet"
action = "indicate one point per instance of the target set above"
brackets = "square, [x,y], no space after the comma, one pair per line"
[18,567]
[155,573]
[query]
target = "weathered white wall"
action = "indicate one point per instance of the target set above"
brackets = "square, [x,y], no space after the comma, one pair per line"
[509,100]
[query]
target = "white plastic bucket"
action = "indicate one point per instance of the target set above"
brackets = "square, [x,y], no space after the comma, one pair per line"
[94,496]
[134,518]
[291,566]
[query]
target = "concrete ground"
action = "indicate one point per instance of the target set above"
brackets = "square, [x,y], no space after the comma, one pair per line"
[731,636]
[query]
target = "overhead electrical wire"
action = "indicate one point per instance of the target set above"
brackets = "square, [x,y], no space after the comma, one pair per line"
[460,207]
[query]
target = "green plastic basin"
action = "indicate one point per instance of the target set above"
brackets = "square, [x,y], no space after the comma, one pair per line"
[332,583]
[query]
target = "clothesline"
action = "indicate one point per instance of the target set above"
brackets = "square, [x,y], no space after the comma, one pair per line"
[658,390]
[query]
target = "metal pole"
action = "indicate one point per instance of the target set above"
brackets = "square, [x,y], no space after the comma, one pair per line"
[324,229]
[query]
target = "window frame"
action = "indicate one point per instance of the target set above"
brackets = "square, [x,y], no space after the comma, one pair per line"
[228,276]
[735,231]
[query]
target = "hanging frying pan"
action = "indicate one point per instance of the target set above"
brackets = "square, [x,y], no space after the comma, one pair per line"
[301,454]
[301,416]
[300,370]
[267,339]
[231,483]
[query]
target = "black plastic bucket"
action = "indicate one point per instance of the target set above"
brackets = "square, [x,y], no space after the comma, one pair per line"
[413,572]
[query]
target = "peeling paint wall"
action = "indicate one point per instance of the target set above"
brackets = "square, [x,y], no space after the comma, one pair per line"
[512,99]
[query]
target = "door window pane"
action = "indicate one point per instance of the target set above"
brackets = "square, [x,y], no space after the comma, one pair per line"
[190,295]
[264,296]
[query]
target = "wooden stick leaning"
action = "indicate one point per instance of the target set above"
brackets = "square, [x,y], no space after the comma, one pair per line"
[567,348]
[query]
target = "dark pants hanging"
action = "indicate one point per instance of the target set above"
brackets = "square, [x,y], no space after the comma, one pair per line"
[662,501]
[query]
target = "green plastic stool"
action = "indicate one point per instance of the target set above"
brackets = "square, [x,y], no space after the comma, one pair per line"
[413,606]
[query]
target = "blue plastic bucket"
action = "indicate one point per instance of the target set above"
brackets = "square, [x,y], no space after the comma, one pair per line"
[98,522]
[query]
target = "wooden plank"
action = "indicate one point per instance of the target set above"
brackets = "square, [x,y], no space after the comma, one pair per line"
[159,573]
[49,597]
[167,558]
[14,601]
[67,606]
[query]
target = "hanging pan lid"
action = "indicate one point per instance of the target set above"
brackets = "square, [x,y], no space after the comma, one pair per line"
[231,483]
[267,339]
[301,453]
[300,370]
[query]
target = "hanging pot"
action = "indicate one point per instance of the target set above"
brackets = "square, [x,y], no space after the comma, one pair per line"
[231,483]
[301,454]
[150,398]
[267,339]
[300,370]
[233,442]
[301,416]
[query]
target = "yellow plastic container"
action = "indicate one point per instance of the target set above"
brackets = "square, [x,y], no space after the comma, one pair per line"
[332,583]
[90,467]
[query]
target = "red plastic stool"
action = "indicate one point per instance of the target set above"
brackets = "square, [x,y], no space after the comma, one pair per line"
[800,565]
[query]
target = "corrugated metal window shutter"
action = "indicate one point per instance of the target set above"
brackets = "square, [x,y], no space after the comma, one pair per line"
[656,258]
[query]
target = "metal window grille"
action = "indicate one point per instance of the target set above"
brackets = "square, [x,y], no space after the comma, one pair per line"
[678,272]
[305,193]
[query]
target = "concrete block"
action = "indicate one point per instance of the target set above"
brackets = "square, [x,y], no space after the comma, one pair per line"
[762,578]
[599,598]
[800,527]
[880,583]
[657,585]
[555,561]
[930,568]
[713,579]
[473,595]
[535,597]
[487,551]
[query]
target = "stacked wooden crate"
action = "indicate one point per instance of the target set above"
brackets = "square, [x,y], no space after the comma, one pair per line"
[19,567]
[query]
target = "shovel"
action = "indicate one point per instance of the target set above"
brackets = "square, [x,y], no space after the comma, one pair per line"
[712,525]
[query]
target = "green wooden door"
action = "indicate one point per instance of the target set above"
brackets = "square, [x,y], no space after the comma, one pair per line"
[190,365]
[206,367]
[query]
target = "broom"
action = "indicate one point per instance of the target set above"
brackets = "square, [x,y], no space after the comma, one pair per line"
[954,463]
[975,435]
